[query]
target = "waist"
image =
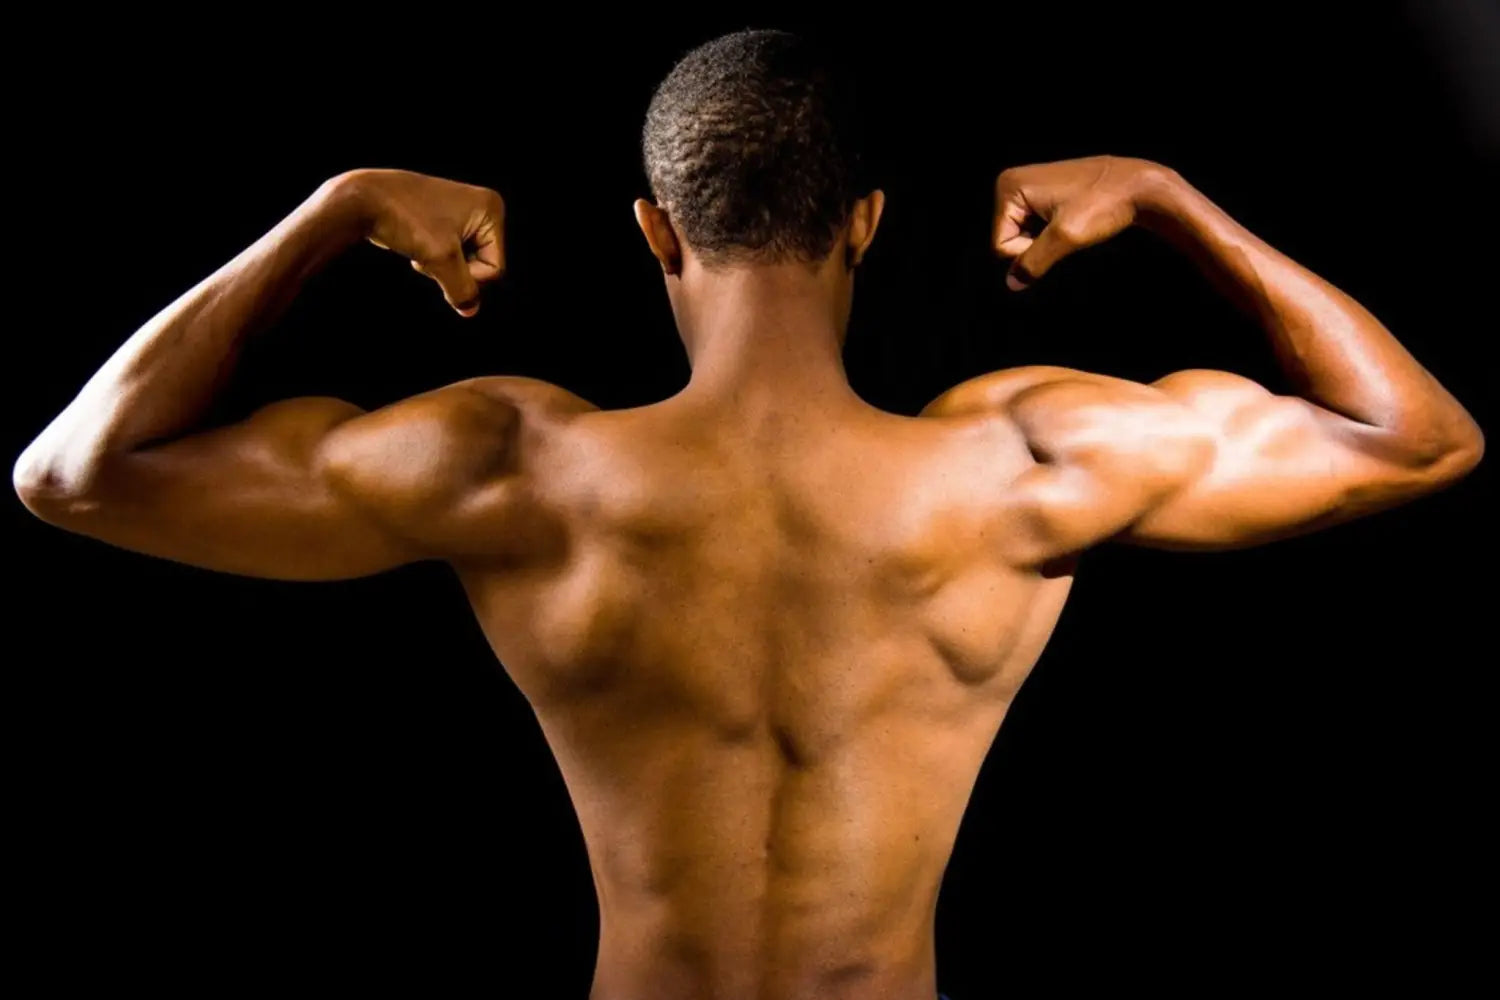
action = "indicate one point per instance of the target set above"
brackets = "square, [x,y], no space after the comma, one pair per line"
[668,956]
[735,920]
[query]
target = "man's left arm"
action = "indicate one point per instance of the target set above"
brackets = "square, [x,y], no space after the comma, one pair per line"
[307,488]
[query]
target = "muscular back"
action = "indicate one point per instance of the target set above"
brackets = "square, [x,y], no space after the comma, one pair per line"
[770,657]
[769,631]
[769,648]
[770,653]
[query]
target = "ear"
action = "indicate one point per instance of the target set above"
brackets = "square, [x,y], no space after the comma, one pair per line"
[864,219]
[657,229]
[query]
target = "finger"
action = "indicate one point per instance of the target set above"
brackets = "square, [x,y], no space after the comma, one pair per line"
[1009,216]
[480,271]
[487,259]
[1015,246]
[1037,259]
[451,272]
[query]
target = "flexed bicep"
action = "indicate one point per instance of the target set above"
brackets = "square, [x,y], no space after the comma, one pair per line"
[1107,451]
[1281,466]
[1104,452]
[304,489]
[1199,460]
[252,498]
[1207,459]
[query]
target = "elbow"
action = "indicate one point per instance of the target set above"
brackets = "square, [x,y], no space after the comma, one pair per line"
[1458,454]
[47,491]
[38,489]
[33,480]
[1468,452]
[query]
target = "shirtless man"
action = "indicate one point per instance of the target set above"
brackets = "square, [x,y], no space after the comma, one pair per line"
[768,630]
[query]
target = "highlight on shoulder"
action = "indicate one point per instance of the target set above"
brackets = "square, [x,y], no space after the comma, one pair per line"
[995,390]
[528,393]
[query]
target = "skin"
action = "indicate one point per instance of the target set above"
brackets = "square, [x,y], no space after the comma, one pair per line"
[769,676]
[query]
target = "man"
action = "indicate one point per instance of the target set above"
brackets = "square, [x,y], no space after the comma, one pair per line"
[769,677]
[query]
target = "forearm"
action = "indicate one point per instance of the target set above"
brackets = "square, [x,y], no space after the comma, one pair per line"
[1333,350]
[162,379]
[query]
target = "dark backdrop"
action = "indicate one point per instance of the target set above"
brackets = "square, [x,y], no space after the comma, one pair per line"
[1262,764]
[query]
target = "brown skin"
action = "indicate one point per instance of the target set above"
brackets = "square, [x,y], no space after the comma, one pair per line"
[769,631]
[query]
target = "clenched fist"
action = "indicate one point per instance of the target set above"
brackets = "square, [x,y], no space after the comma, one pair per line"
[1077,203]
[454,233]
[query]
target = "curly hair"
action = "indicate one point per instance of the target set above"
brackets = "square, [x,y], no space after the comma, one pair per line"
[751,145]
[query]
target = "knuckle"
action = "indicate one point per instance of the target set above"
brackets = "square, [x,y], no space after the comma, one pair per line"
[427,249]
[1071,231]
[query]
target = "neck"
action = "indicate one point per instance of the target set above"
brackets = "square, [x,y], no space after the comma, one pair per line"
[763,336]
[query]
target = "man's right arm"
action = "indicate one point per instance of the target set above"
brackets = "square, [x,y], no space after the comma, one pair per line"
[1210,460]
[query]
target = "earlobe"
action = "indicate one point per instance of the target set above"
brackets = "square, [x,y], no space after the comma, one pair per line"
[657,229]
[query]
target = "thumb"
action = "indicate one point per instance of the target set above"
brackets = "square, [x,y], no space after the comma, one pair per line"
[1037,259]
[451,272]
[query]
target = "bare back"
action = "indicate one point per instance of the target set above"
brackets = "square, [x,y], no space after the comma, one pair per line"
[770,661]
[769,631]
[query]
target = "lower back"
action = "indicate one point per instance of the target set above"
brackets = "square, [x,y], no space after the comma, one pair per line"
[724,870]
[791,846]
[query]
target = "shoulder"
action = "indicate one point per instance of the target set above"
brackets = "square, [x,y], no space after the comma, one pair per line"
[488,401]
[1083,417]
[470,412]
[1055,387]
[525,395]
[1223,396]
[992,392]
[435,447]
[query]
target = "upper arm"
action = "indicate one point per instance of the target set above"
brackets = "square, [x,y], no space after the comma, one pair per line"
[304,489]
[1277,466]
[1196,460]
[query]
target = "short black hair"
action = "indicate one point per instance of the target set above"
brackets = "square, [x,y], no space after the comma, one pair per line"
[752,145]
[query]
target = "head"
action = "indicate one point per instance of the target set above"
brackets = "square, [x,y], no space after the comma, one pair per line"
[752,150]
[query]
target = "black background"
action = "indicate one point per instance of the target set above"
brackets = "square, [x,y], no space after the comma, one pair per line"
[1261,765]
